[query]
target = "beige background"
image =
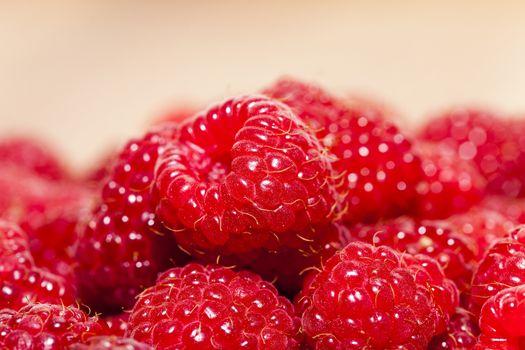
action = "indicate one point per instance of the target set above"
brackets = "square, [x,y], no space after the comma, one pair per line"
[89,74]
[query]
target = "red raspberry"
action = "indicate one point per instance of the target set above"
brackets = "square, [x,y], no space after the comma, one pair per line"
[123,246]
[110,343]
[32,155]
[371,298]
[483,226]
[461,334]
[118,324]
[502,267]
[245,175]
[450,184]
[21,282]
[46,326]
[213,307]
[502,319]
[455,252]
[48,211]
[378,167]
[496,146]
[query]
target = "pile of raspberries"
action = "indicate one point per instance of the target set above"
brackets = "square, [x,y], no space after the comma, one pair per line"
[286,219]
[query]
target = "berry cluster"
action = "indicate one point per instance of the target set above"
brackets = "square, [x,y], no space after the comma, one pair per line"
[286,219]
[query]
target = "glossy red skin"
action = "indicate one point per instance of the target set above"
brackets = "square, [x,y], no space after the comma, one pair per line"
[123,246]
[245,175]
[450,185]
[501,267]
[33,156]
[496,146]
[198,307]
[372,298]
[502,319]
[377,166]
[21,282]
[46,326]
[454,251]
[461,334]
[117,324]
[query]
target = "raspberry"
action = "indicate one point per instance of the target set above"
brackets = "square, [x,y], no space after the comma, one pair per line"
[502,319]
[213,307]
[501,267]
[118,324]
[496,146]
[450,184]
[370,297]
[32,155]
[48,211]
[245,175]
[455,252]
[46,326]
[461,333]
[483,226]
[110,343]
[511,208]
[123,246]
[376,162]
[21,282]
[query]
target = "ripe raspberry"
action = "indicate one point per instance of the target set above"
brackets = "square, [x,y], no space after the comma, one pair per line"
[502,319]
[46,326]
[48,212]
[32,155]
[496,146]
[450,184]
[118,324]
[110,343]
[123,247]
[461,333]
[501,267]
[21,282]
[212,307]
[378,167]
[245,175]
[484,226]
[376,298]
[454,251]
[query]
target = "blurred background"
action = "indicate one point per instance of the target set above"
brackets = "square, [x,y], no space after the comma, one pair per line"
[86,75]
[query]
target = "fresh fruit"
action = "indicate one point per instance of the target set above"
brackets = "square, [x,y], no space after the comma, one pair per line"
[21,282]
[495,145]
[117,324]
[461,334]
[502,319]
[32,155]
[46,326]
[502,267]
[368,297]
[198,307]
[110,343]
[483,225]
[450,184]
[454,251]
[123,246]
[377,167]
[245,175]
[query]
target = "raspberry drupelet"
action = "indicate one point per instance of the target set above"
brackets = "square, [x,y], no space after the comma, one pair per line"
[123,246]
[376,164]
[461,334]
[110,343]
[368,297]
[245,175]
[46,326]
[212,307]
